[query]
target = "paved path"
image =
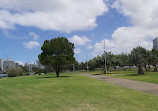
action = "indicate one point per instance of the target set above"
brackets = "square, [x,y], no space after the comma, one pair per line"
[132,84]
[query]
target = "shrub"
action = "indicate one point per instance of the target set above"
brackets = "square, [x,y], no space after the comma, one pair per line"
[39,73]
[27,73]
[13,72]
[45,72]
[4,73]
[36,72]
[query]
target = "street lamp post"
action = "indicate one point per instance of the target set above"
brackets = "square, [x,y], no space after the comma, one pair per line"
[105,59]
[73,65]
[87,63]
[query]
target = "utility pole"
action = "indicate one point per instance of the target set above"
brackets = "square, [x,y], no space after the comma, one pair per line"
[87,62]
[73,67]
[105,59]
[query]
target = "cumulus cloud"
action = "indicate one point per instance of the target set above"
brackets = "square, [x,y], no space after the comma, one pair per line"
[31,44]
[142,13]
[123,40]
[34,35]
[77,51]
[142,16]
[89,47]
[59,15]
[80,41]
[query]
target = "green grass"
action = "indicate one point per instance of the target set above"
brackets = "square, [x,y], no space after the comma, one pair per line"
[148,77]
[70,93]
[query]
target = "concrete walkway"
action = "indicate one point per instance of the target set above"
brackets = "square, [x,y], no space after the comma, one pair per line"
[146,87]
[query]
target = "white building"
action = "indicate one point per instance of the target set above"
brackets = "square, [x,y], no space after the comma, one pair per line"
[29,66]
[1,64]
[155,43]
[5,64]
[39,65]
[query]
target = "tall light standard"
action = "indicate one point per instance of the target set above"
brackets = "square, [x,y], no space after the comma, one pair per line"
[105,66]
[73,65]
[87,63]
[105,59]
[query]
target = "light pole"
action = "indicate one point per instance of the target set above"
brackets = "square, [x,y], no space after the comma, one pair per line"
[73,65]
[87,63]
[105,59]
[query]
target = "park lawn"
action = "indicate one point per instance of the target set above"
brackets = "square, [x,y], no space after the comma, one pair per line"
[148,77]
[71,92]
[151,76]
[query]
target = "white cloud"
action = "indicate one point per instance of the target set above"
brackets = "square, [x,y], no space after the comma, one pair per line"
[32,44]
[77,40]
[59,15]
[89,47]
[34,35]
[123,40]
[144,26]
[77,51]
[142,13]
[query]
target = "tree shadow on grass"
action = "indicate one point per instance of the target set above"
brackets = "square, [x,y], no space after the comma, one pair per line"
[112,73]
[102,74]
[46,77]
[135,75]
[96,74]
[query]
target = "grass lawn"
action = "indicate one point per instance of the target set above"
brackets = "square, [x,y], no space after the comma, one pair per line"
[71,92]
[148,77]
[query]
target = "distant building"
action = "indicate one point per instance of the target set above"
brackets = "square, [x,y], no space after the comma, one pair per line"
[5,64]
[39,65]
[1,64]
[30,66]
[8,64]
[155,43]
[17,64]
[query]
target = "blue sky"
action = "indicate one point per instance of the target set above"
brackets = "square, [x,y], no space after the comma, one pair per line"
[23,28]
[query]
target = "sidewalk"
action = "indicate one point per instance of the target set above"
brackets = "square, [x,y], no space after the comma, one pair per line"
[146,87]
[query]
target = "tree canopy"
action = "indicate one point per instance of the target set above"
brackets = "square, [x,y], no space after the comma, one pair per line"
[57,53]
[138,57]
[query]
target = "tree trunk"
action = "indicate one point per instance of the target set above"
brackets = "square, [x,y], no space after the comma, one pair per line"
[155,69]
[124,69]
[148,67]
[145,68]
[129,68]
[57,74]
[140,70]
[115,68]
[107,67]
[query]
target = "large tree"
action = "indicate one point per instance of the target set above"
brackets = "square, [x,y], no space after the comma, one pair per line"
[138,57]
[82,66]
[154,58]
[57,53]
[149,60]
[124,60]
